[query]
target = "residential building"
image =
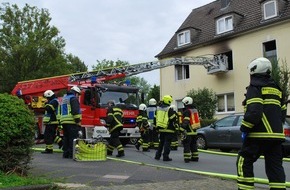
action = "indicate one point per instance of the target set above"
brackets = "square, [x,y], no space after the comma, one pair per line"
[240,29]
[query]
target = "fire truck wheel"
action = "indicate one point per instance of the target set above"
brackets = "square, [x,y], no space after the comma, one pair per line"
[133,140]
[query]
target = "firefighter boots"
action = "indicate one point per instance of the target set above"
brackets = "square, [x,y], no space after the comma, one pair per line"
[120,154]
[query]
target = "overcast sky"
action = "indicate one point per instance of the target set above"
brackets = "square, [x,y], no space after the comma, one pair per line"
[128,30]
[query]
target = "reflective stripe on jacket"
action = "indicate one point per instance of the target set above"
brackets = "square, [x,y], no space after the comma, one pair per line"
[52,112]
[69,113]
[114,119]
[264,111]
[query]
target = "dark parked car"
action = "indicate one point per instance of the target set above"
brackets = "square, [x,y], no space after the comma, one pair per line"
[225,134]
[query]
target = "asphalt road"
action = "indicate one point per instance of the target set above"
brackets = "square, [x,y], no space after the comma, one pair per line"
[139,169]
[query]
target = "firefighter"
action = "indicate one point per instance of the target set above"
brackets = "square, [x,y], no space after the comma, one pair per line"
[189,126]
[70,120]
[142,123]
[262,127]
[153,134]
[174,143]
[164,120]
[114,124]
[51,121]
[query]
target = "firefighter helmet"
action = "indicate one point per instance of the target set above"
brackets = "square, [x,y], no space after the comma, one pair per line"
[174,107]
[152,102]
[76,89]
[111,103]
[48,94]
[259,66]
[187,100]
[142,107]
[167,99]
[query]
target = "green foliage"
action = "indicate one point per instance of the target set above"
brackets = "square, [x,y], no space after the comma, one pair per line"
[205,101]
[154,93]
[16,136]
[13,180]
[281,75]
[75,65]
[29,47]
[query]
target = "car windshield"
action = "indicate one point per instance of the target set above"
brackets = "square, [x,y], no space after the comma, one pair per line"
[119,98]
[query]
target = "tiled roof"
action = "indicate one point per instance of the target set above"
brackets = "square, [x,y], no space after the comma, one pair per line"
[203,19]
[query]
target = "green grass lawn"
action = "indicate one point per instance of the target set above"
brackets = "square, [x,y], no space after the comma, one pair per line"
[13,180]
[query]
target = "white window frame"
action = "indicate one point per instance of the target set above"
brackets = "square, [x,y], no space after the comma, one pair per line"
[183,38]
[270,4]
[183,72]
[224,24]
[225,102]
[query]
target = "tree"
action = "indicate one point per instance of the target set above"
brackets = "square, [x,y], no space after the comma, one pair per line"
[154,92]
[29,47]
[205,101]
[75,64]
[281,75]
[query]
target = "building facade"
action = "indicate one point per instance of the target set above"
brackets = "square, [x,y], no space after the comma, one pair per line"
[240,29]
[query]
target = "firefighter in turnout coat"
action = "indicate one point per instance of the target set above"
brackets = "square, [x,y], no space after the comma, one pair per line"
[189,126]
[51,121]
[70,120]
[114,124]
[262,127]
[142,123]
[164,120]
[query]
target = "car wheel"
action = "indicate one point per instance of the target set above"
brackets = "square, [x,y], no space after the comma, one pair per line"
[201,142]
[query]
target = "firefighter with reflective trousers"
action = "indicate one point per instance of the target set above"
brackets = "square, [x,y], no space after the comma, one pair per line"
[51,121]
[70,120]
[164,120]
[114,123]
[153,134]
[262,127]
[142,123]
[190,123]
[174,143]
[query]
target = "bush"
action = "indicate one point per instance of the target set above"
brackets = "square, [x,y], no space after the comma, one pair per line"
[16,136]
[205,101]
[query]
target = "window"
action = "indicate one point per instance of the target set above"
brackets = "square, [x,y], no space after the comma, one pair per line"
[270,9]
[270,50]
[226,103]
[226,122]
[183,38]
[181,72]
[224,24]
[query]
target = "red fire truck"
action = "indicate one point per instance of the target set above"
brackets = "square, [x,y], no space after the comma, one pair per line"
[96,92]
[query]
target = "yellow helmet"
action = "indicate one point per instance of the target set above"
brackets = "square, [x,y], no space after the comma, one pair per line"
[167,99]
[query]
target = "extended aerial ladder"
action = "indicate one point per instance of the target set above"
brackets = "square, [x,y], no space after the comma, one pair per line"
[213,64]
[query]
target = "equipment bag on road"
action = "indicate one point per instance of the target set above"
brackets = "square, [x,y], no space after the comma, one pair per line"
[90,150]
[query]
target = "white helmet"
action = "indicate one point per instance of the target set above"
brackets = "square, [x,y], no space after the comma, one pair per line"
[174,107]
[142,107]
[76,89]
[260,65]
[152,102]
[187,100]
[48,94]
